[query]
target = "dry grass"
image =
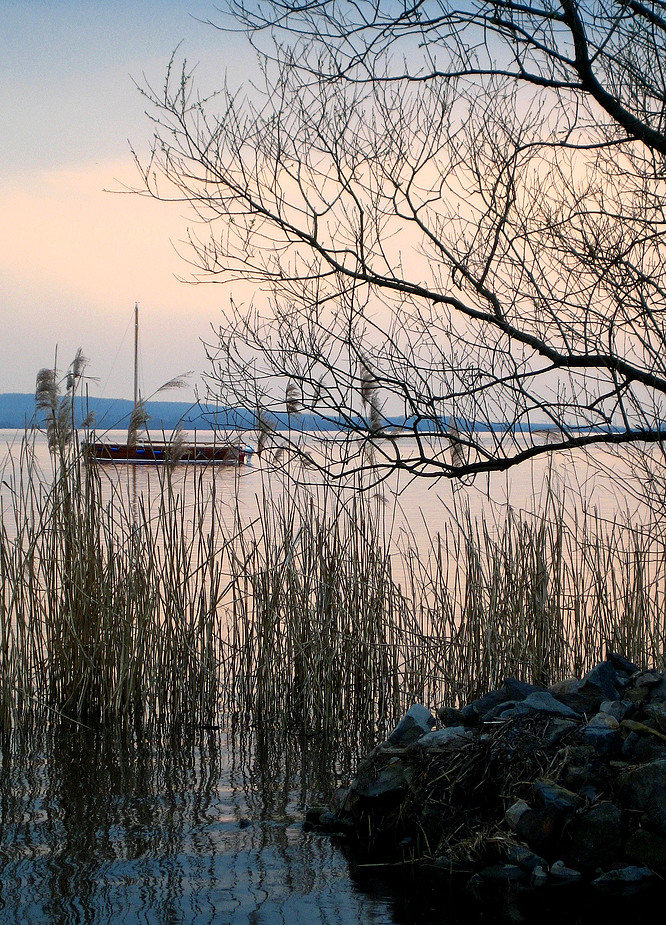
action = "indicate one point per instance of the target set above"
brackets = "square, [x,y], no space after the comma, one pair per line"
[308,616]
[107,612]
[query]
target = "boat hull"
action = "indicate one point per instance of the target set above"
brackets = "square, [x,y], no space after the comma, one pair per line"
[152,454]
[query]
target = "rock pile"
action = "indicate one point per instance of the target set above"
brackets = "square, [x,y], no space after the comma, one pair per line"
[531,784]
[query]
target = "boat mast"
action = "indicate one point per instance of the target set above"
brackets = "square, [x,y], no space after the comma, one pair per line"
[136,355]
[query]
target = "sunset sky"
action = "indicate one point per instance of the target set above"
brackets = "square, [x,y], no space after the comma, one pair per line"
[74,258]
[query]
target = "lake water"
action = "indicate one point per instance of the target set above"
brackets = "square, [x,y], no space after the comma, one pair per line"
[208,827]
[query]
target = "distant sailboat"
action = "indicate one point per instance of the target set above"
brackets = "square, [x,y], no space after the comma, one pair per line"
[147,451]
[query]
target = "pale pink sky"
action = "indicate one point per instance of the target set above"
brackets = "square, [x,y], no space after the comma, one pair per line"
[74,258]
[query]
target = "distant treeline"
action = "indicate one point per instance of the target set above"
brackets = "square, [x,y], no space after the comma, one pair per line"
[17,410]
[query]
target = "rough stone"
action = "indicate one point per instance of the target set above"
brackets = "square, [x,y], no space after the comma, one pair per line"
[389,780]
[560,872]
[567,686]
[658,692]
[604,740]
[639,748]
[539,701]
[625,880]
[594,839]
[553,796]
[648,679]
[638,695]
[416,722]
[539,877]
[622,664]
[604,720]
[647,849]
[440,737]
[503,710]
[519,690]
[557,729]
[544,702]
[452,717]
[603,677]
[523,857]
[483,704]
[579,699]
[503,872]
[657,712]
[540,829]
[444,863]
[643,787]
[514,813]
[620,709]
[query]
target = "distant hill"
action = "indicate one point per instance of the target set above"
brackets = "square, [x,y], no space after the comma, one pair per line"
[17,410]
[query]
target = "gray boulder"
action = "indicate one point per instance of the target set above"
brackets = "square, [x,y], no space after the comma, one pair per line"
[519,690]
[560,872]
[644,788]
[389,781]
[647,849]
[416,722]
[553,796]
[440,737]
[621,664]
[593,839]
[625,880]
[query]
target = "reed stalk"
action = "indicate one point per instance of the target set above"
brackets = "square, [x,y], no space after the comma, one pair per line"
[311,615]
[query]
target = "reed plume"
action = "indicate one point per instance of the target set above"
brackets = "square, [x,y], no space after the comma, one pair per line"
[293,398]
[138,420]
[370,397]
[266,428]
[176,446]
[59,408]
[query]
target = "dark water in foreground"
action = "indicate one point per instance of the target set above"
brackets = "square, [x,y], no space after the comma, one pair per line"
[207,828]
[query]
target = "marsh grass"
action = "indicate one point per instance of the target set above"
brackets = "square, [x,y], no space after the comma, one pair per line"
[339,622]
[106,612]
[311,615]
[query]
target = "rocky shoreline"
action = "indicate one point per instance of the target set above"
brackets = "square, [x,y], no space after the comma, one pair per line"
[527,785]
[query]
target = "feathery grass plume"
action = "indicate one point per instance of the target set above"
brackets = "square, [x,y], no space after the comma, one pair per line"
[369,384]
[46,390]
[75,371]
[293,398]
[266,428]
[138,420]
[140,417]
[59,409]
[370,397]
[178,382]
[176,446]
[457,452]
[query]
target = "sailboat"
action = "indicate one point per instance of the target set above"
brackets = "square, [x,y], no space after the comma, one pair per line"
[147,451]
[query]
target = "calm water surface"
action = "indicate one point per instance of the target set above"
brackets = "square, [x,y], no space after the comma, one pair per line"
[208,826]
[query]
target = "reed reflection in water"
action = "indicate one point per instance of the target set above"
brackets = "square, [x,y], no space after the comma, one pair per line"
[100,826]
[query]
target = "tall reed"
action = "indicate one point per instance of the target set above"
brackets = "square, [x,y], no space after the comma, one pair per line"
[336,619]
[107,612]
[311,614]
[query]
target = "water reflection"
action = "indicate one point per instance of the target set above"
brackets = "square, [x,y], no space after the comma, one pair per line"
[205,827]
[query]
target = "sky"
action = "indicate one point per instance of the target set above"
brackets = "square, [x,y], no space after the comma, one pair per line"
[75,255]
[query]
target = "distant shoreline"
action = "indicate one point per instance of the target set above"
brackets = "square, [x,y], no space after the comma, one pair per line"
[17,411]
